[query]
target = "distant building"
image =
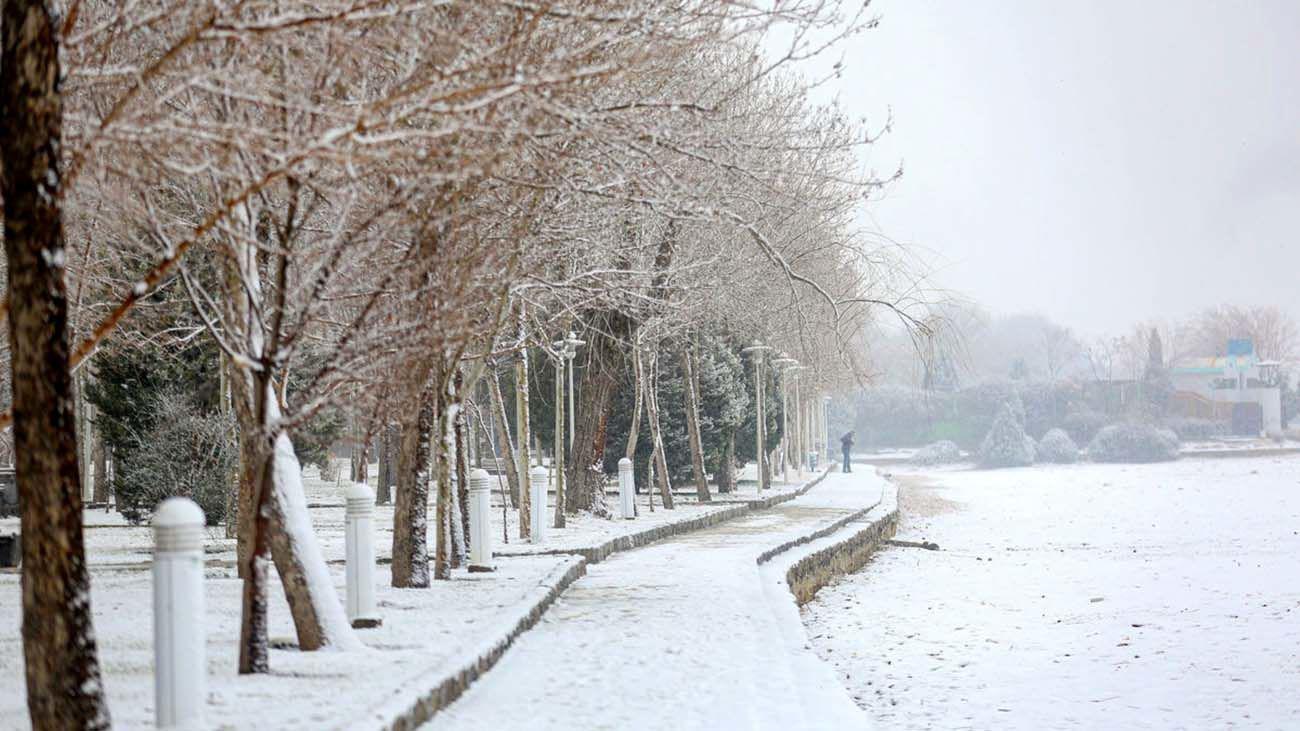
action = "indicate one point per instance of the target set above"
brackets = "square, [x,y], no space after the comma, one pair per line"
[1237,386]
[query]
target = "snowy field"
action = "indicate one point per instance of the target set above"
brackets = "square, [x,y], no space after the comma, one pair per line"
[1089,596]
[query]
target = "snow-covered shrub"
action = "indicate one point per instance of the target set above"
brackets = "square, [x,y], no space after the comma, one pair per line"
[1057,446]
[1006,444]
[1083,425]
[940,452]
[1133,443]
[1197,429]
[186,452]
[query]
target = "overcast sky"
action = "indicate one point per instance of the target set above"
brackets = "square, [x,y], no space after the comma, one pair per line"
[1101,162]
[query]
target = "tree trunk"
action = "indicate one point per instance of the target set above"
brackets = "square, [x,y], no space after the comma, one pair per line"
[361,456]
[443,508]
[558,460]
[383,489]
[693,427]
[462,474]
[522,434]
[83,431]
[506,448]
[606,361]
[99,456]
[726,474]
[637,392]
[411,509]
[278,527]
[660,459]
[318,616]
[64,689]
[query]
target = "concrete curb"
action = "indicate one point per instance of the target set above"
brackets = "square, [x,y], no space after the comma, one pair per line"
[844,547]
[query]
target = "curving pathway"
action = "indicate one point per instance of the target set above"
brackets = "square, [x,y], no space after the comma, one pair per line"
[686,634]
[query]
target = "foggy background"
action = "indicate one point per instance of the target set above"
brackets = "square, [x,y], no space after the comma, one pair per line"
[1099,162]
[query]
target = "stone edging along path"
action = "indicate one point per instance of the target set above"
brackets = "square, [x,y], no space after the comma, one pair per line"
[839,549]
[410,713]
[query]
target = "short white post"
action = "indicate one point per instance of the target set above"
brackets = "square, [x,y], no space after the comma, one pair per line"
[537,504]
[179,642]
[480,528]
[626,489]
[359,544]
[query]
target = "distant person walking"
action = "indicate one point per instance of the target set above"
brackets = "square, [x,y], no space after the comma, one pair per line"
[846,445]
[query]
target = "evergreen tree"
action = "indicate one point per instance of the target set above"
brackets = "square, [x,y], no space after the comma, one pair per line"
[1006,444]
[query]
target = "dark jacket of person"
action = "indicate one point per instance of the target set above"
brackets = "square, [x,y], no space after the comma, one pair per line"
[846,442]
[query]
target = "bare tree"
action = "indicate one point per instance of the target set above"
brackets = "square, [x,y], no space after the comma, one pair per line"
[64,689]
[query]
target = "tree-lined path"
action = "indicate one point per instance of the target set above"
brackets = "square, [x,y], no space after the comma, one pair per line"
[690,628]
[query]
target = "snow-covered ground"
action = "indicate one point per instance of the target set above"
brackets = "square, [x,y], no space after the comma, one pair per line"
[1090,596]
[426,633]
[111,542]
[684,634]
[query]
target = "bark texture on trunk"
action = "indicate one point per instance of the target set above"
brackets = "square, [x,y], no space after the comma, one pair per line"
[443,507]
[638,392]
[693,426]
[462,441]
[558,460]
[726,472]
[384,488]
[64,688]
[99,456]
[505,447]
[276,526]
[522,434]
[606,362]
[411,510]
[660,459]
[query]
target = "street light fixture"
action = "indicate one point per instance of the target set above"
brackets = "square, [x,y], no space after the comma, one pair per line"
[568,349]
[784,364]
[756,351]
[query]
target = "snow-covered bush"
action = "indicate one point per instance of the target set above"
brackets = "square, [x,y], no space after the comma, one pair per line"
[1006,444]
[1197,429]
[1057,446]
[186,452]
[940,452]
[1133,443]
[1083,425]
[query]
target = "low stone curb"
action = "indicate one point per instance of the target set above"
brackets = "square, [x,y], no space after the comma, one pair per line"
[808,574]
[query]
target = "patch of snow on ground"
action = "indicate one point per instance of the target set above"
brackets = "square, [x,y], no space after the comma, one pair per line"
[1085,596]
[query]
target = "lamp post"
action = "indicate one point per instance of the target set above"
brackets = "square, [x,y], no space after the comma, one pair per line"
[784,364]
[755,351]
[565,350]
[800,421]
[825,426]
[568,349]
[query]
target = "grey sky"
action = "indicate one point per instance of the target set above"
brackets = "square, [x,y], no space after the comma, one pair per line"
[1100,162]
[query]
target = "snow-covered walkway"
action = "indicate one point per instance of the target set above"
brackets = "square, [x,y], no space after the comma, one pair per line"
[684,634]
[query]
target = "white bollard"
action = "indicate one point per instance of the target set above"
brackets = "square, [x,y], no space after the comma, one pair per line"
[359,545]
[626,489]
[179,643]
[480,523]
[537,504]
